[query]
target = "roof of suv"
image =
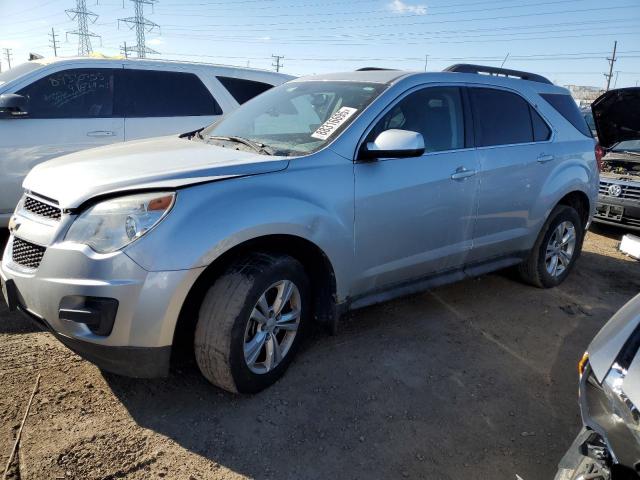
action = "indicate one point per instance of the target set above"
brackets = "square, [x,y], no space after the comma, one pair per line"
[394,76]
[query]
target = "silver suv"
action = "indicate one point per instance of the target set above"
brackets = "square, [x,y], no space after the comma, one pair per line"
[325,194]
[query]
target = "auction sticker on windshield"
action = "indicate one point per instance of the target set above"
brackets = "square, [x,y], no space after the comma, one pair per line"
[334,122]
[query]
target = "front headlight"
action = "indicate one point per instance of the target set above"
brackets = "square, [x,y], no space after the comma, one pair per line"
[110,225]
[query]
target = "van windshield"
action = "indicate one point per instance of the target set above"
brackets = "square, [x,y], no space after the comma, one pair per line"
[15,72]
[295,118]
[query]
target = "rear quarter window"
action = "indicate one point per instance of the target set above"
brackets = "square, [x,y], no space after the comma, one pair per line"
[243,90]
[566,106]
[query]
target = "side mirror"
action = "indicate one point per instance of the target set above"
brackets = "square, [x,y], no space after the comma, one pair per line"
[13,105]
[393,144]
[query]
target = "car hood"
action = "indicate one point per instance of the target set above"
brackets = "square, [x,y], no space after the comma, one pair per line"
[165,162]
[607,344]
[616,114]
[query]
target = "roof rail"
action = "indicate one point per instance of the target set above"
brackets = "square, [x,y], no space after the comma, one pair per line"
[501,72]
[371,69]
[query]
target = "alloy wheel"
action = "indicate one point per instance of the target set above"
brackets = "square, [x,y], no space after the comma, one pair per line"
[560,248]
[272,327]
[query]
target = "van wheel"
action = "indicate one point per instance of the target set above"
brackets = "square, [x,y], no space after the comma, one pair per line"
[556,250]
[251,322]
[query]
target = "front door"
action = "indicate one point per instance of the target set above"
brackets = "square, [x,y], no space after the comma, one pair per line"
[414,216]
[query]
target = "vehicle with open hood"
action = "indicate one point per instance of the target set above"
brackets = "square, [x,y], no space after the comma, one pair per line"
[324,194]
[608,445]
[617,117]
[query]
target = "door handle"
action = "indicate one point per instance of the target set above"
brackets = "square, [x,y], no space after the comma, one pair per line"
[461,173]
[544,158]
[101,133]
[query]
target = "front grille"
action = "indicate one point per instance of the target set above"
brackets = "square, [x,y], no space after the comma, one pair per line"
[27,254]
[42,209]
[631,192]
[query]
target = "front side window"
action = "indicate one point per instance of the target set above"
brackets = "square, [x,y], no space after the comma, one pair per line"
[434,112]
[296,118]
[77,93]
[501,118]
[151,93]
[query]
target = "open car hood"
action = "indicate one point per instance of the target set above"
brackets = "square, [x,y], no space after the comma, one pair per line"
[616,114]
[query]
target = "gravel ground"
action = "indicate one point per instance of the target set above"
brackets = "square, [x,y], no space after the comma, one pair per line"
[472,380]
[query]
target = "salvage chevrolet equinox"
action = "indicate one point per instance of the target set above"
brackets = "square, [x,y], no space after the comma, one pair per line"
[324,194]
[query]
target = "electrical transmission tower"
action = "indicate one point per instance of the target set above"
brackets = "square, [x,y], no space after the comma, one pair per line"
[277,62]
[83,16]
[142,26]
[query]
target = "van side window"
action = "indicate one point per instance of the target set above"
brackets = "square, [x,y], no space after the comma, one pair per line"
[243,90]
[541,131]
[501,118]
[151,93]
[75,93]
[434,112]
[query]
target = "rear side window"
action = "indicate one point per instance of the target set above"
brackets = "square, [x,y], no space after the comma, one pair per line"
[541,130]
[566,106]
[76,93]
[243,90]
[150,93]
[501,118]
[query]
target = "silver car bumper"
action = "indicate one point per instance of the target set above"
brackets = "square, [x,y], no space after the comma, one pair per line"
[72,284]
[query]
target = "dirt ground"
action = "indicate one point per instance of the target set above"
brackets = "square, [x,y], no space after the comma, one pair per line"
[472,380]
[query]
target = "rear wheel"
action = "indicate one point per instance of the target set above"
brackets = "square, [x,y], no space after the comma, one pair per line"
[251,322]
[556,250]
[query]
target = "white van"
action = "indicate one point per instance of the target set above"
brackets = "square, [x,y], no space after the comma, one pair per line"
[52,107]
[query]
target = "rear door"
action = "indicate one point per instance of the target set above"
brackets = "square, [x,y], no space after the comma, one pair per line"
[514,149]
[414,216]
[68,110]
[160,102]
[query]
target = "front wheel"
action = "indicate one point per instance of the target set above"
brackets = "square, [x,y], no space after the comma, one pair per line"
[556,250]
[251,321]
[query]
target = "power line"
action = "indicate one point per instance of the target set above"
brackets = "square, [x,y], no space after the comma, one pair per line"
[142,25]
[83,16]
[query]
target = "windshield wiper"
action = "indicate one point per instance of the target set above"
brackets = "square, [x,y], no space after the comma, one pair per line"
[258,147]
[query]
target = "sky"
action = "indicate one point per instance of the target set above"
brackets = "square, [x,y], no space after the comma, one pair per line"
[566,40]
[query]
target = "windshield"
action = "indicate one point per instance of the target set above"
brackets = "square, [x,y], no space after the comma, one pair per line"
[627,146]
[15,72]
[296,118]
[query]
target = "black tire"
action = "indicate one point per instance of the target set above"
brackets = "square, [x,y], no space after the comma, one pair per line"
[534,270]
[225,312]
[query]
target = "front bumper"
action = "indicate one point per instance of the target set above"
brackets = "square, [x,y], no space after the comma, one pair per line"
[148,304]
[605,444]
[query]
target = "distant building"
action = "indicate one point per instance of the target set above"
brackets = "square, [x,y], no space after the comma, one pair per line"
[584,96]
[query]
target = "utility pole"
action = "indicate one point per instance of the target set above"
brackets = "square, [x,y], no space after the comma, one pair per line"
[426,60]
[83,16]
[611,60]
[142,26]
[8,55]
[277,62]
[54,42]
[615,82]
[124,50]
